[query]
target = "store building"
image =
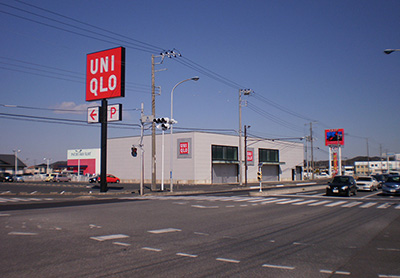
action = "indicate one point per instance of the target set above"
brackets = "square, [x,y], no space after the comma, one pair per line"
[205,158]
[84,161]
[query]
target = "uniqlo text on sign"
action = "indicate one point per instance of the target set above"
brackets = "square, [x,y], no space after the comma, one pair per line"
[105,74]
[184,148]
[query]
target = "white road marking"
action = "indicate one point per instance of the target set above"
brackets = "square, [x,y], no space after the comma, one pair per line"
[151,249]
[368,205]
[121,243]
[278,266]
[187,255]
[289,201]
[335,204]
[228,260]
[162,231]
[304,202]
[388,276]
[339,272]
[22,234]
[204,207]
[201,234]
[319,203]
[4,214]
[109,237]
[274,200]
[385,206]
[352,204]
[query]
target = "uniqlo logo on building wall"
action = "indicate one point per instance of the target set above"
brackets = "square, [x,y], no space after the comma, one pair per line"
[105,74]
[249,155]
[184,148]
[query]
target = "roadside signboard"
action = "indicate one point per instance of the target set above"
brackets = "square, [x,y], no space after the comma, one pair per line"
[334,137]
[105,74]
[114,112]
[93,115]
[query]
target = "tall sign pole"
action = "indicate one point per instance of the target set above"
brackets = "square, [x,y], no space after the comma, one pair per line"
[103,155]
[105,78]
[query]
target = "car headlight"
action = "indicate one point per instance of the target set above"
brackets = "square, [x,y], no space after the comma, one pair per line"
[344,187]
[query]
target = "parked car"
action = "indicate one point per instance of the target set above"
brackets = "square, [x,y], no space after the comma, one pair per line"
[111,179]
[6,177]
[381,178]
[342,185]
[367,183]
[49,178]
[94,179]
[18,178]
[61,178]
[391,185]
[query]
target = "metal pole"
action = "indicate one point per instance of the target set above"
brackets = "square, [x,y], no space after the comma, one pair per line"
[162,165]
[240,137]
[141,150]
[245,155]
[171,186]
[153,129]
[312,151]
[103,162]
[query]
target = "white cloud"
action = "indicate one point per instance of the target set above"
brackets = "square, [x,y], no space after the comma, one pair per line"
[70,107]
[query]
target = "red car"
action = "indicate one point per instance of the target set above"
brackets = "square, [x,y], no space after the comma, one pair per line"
[110,179]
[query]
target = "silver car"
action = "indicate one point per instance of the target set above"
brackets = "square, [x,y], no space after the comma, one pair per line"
[367,183]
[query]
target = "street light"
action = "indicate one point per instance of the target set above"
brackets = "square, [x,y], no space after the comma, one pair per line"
[16,160]
[171,128]
[388,51]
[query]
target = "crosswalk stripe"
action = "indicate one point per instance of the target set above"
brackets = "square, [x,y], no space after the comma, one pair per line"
[368,205]
[352,204]
[319,203]
[290,201]
[335,204]
[304,202]
[274,200]
[385,206]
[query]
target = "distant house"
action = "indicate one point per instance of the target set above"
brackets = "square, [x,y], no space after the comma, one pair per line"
[7,164]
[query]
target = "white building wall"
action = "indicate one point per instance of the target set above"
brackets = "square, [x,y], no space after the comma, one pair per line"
[198,168]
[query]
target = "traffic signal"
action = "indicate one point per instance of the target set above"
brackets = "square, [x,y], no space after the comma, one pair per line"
[134,151]
[259,176]
[164,123]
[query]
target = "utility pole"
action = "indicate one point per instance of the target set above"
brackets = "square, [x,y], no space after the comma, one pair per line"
[312,150]
[153,128]
[169,54]
[246,92]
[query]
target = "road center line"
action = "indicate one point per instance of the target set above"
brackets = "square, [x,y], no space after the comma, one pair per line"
[163,231]
[151,249]
[187,255]
[278,266]
[109,237]
[228,260]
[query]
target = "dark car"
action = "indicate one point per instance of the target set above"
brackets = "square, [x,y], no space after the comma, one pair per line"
[391,186]
[6,177]
[381,178]
[342,185]
[94,179]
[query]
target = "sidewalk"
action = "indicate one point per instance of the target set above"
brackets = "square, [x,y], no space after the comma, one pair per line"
[267,188]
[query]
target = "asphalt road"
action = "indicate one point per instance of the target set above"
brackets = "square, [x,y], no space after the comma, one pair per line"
[306,235]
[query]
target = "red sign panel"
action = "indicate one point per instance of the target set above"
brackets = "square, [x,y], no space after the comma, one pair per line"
[184,148]
[249,156]
[105,74]
[334,137]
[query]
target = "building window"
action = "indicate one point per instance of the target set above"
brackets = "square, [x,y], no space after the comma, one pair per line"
[267,155]
[224,153]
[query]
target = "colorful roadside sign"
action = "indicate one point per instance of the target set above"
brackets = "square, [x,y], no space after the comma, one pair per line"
[105,74]
[114,112]
[334,137]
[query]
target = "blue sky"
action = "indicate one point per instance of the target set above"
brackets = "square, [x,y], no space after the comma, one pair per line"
[307,61]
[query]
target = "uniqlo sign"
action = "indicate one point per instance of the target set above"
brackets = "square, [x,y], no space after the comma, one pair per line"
[249,155]
[184,148]
[105,74]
